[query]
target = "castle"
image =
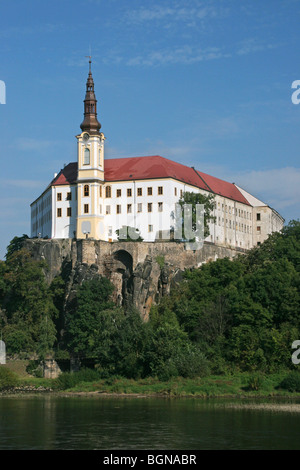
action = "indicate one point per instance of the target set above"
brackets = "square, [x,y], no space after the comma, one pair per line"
[94,197]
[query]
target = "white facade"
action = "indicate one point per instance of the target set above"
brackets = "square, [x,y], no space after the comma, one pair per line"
[149,206]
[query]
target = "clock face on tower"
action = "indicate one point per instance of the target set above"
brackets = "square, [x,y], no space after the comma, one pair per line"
[85,137]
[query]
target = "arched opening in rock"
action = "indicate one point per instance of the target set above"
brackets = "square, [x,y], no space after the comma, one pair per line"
[124,266]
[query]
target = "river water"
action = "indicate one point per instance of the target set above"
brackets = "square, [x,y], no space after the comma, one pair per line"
[83,423]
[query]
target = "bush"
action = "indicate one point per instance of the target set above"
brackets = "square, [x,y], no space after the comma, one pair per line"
[254,382]
[8,379]
[70,379]
[291,382]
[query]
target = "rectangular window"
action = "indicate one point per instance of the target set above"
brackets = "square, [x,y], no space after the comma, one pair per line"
[140,207]
[129,208]
[69,196]
[150,228]
[129,192]
[59,198]
[59,212]
[118,209]
[69,211]
[119,192]
[160,190]
[258,229]
[160,207]
[100,208]
[149,206]
[181,193]
[175,191]
[100,191]
[107,210]
[139,191]
[86,208]
[149,191]
[257,216]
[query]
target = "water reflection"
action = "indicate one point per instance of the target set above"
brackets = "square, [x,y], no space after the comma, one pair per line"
[48,422]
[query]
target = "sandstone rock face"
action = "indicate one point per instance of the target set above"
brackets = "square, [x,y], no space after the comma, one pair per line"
[141,272]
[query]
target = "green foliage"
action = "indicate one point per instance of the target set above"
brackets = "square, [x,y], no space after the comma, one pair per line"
[16,244]
[193,199]
[291,382]
[25,297]
[254,382]
[8,379]
[228,315]
[68,380]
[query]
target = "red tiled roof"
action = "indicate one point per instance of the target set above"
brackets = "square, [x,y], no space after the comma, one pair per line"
[141,168]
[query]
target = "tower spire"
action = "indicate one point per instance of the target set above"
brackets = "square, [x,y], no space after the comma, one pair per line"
[90,123]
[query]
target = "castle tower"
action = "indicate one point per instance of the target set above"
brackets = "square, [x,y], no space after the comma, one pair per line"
[90,177]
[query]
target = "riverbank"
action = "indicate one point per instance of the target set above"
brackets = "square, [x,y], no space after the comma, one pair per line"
[239,385]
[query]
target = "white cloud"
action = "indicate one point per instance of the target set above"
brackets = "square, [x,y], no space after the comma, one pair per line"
[185,54]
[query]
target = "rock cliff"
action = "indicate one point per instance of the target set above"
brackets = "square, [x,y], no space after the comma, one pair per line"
[141,272]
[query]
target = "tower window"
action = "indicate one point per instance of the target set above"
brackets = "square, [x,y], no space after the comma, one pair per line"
[59,196]
[86,208]
[108,191]
[86,190]
[107,210]
[69,211]
[59,212]
[86,158]
[69,196]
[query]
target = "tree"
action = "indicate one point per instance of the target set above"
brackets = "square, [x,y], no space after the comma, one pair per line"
[193,199]
[28,301]
[82,323]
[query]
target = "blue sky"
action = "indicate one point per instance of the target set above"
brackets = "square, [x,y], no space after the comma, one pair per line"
[205,83]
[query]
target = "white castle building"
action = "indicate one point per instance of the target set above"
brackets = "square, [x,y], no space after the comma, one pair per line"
[94,197]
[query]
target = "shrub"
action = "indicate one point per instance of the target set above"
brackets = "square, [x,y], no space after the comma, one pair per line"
[254,382]
[291,382]
[70,379]
[8,379]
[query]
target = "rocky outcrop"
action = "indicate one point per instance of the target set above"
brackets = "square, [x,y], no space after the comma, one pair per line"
[141,272]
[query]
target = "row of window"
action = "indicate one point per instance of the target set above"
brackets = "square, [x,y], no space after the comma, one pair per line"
[108,209]
[235,225]
[43,220]
[41,206]
[237,212]
[69,212]
[68,197]
[130,207]
[139,192]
